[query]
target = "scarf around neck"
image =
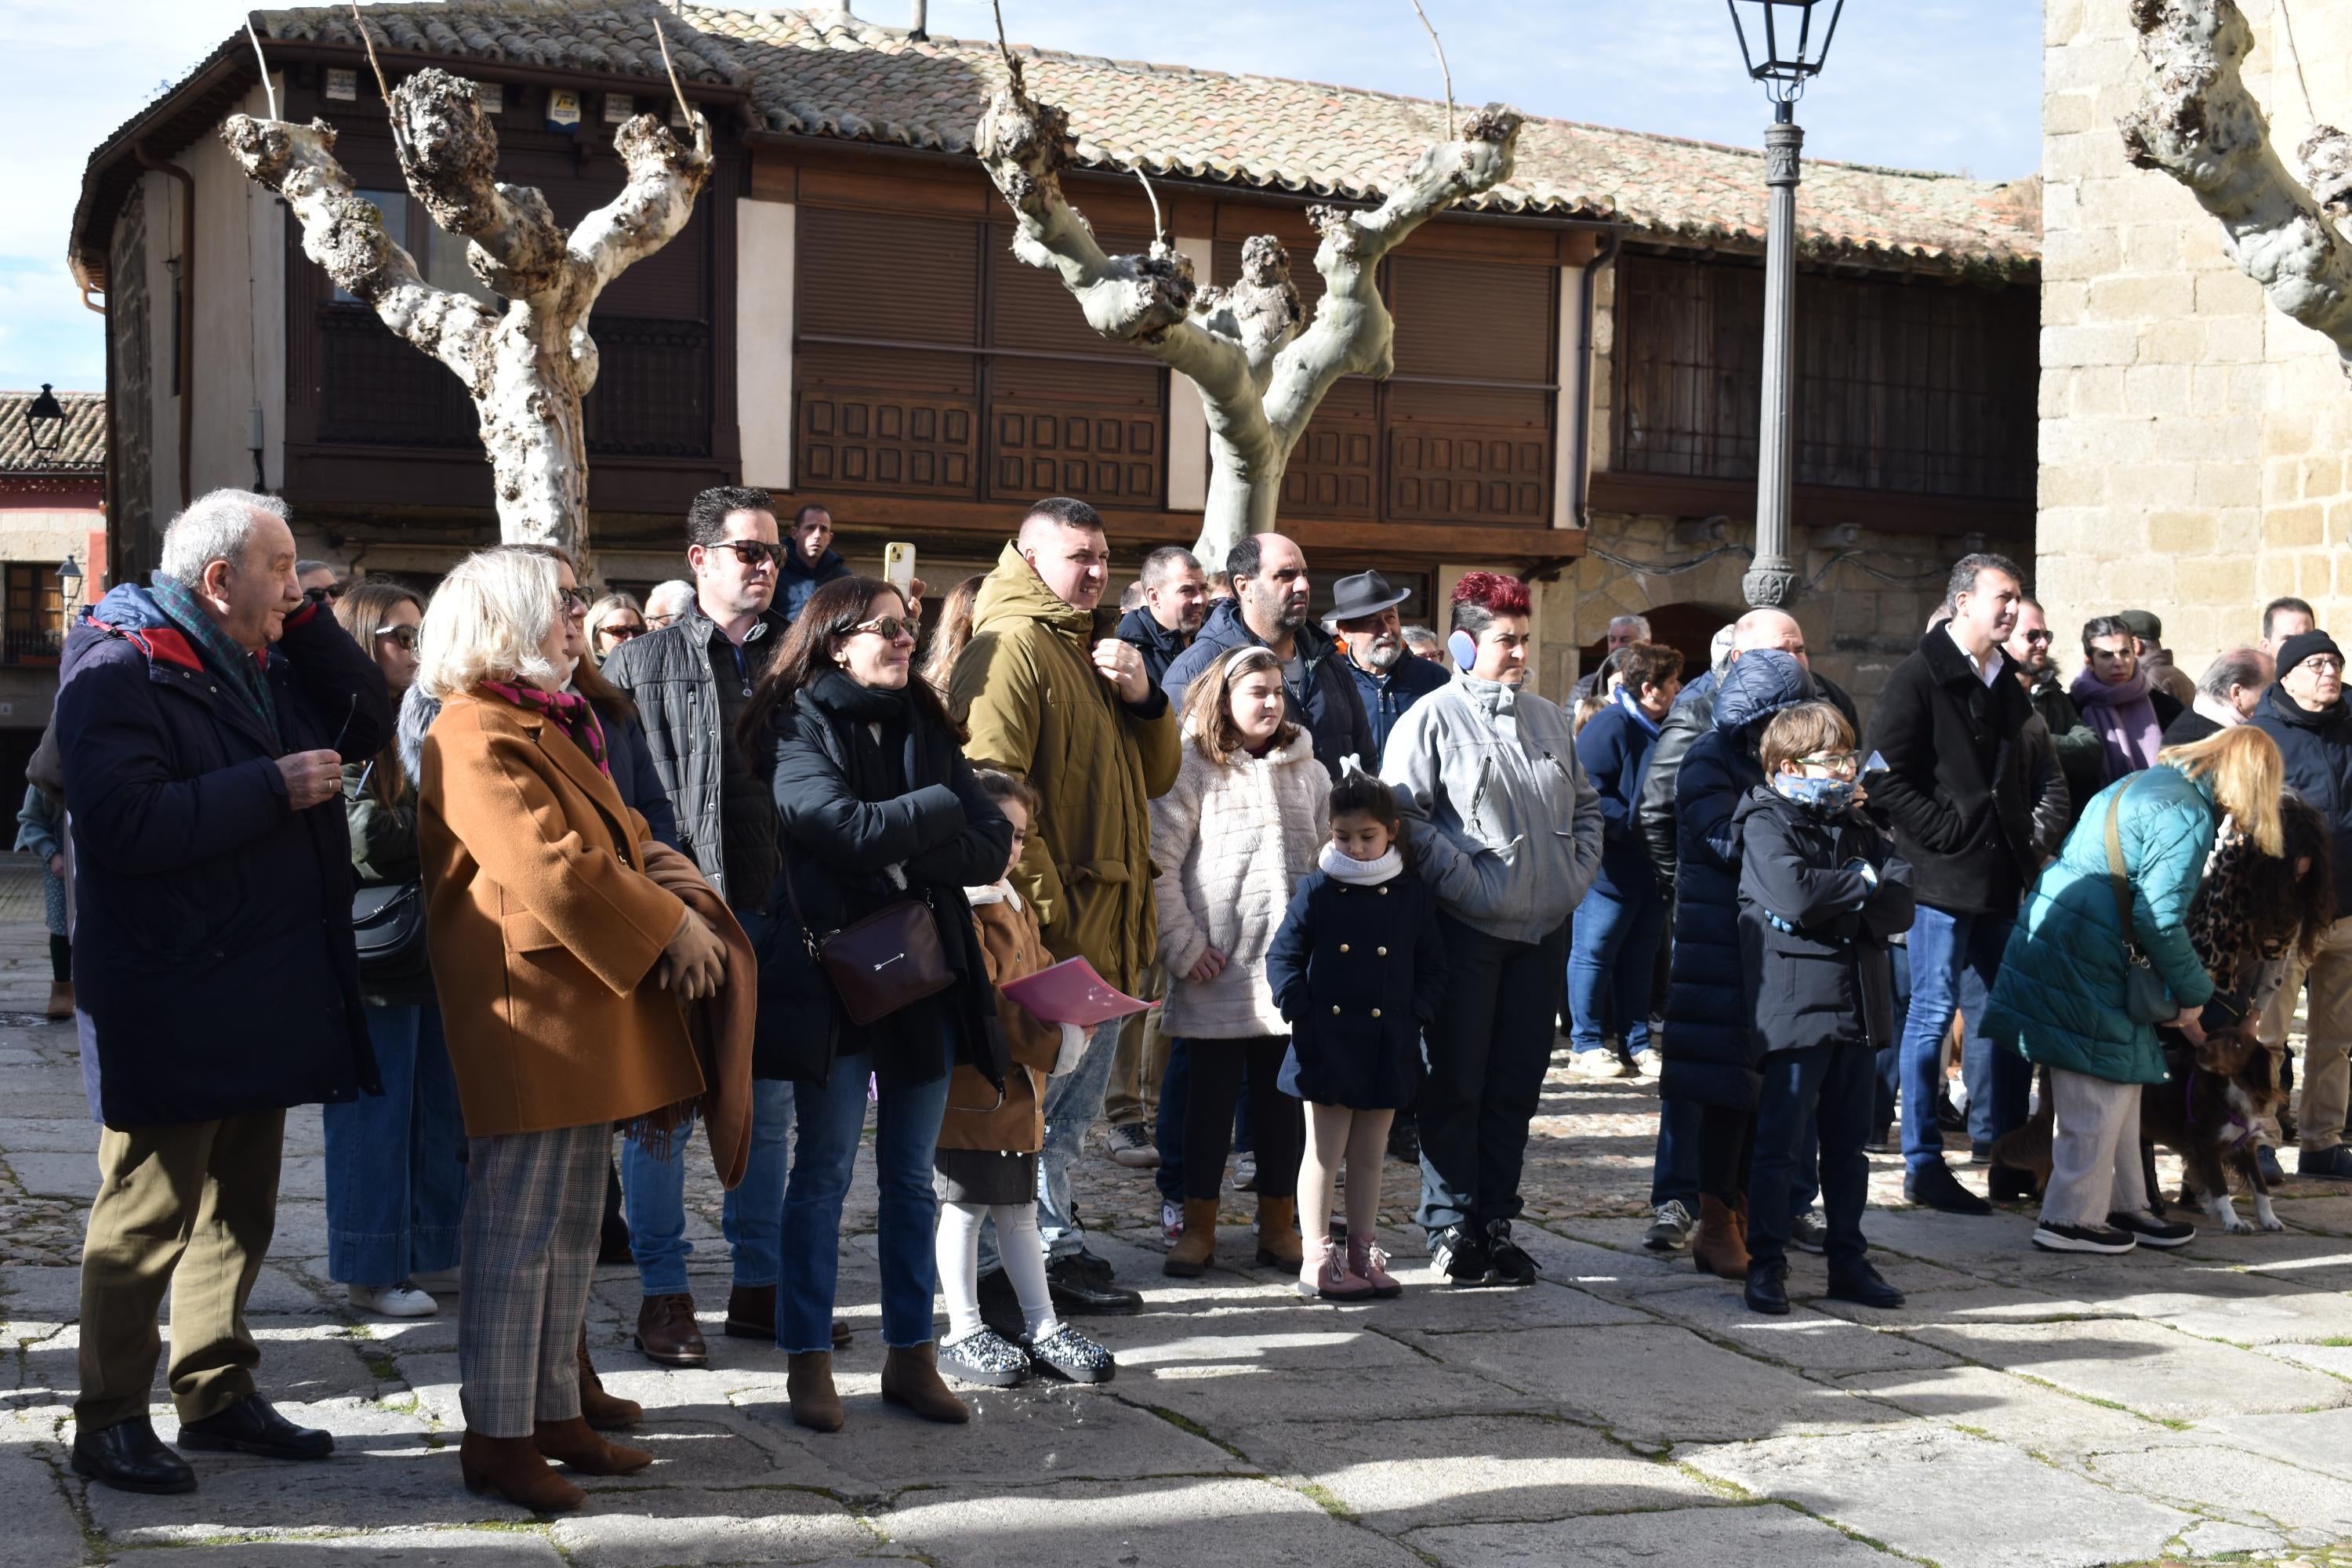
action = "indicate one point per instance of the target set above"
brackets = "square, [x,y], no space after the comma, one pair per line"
[567,710]
[1343,867]
[2124,718]
[246,671]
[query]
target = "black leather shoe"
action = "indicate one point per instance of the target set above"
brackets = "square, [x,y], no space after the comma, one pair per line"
[1075,1296]
[1864,1286]
[251,1426]
[130,1457]
[1088,1266]
[1767,1289]
[1404,1142]
[1507,1263]
[2007,1183]
[1937,1188]
[999,1307]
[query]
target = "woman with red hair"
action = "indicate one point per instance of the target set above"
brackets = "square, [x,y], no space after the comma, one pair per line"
[1507,829]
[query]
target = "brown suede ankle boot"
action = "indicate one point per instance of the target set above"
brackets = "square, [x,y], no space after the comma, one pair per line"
[808,1384]
[577,1444]
[1196,1248]
[1278,1235]
[1716,1248]
[514,1469]
[910,1377]
[605,1411]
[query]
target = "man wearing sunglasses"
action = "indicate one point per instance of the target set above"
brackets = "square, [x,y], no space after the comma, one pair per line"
[2076,745]
[690,681]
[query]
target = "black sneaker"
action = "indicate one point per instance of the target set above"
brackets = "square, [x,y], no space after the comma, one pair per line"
[1937,1188]
[987,1358]
[1809,1232]
[1404,1142]
[1091,1267]
[2149,1231]
[1506,1261]
[1948,1118]
[2082,1239]
[1457,1256]
[1767,1289]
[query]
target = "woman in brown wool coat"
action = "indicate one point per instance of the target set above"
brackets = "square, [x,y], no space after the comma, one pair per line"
[560,964]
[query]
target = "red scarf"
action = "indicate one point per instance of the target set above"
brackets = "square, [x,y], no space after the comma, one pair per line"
[570,711]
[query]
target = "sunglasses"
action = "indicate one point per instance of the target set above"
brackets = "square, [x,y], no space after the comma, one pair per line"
[405,636]
[574,601]
[752,553]
[889,628]
[620,634]
[2037,636]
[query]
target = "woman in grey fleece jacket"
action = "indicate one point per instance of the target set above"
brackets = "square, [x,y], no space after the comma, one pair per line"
[1507,829]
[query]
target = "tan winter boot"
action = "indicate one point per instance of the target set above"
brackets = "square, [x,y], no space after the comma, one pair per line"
[1197,1248]
[1716,1248]
[1278,1235]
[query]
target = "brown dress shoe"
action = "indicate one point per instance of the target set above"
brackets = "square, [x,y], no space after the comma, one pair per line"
[514,1469]
[577,1444]
[1717,1247]
[910,1377]
[808,1384]
[1278,1245]
[605,1411]
[751,1312]
[840,1335]
[667,1334]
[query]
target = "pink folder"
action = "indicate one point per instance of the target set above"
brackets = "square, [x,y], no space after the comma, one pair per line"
[1072,993]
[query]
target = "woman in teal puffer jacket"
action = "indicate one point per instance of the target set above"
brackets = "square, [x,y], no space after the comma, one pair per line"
[2060,999]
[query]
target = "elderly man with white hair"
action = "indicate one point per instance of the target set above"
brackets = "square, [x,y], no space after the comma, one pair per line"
[1624,631]
[204,721]
[666,601]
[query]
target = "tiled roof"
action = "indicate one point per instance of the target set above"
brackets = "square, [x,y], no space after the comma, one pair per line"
[810,72]
[82,450]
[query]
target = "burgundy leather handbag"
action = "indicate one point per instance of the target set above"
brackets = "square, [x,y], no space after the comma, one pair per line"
[889,959]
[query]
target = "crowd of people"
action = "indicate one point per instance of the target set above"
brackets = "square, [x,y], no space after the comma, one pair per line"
[494,873]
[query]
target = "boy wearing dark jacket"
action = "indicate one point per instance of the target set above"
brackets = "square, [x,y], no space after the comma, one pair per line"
[1819,896]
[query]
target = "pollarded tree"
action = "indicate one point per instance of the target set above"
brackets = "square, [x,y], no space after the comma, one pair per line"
[1261,368]
[527,363]
[2199,125]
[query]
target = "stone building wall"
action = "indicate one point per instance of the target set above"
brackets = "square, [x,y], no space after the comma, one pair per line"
[130,411]
[2194,442]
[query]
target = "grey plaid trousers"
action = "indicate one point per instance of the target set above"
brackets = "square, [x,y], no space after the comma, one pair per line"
[534,1202]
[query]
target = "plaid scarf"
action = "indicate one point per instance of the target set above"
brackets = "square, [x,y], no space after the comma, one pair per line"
[246,672]
[569,710]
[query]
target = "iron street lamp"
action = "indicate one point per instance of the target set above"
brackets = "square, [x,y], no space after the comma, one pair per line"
[69,580]
[45,421]
[1785,43]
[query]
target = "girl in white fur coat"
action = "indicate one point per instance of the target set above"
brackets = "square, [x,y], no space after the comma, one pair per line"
[1244,821]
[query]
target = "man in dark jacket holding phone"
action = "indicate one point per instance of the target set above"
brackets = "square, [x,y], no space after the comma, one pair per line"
[202,724]
[1950,726]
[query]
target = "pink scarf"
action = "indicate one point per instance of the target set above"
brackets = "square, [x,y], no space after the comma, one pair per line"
[2124,718]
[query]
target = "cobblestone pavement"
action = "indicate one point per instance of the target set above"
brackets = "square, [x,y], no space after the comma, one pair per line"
[2023,1410]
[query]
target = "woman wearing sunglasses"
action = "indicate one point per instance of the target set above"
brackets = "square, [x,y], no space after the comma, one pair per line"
[877,807]
[613,620]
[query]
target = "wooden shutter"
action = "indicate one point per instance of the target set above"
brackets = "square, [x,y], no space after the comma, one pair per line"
[1069,412]
[1481,319]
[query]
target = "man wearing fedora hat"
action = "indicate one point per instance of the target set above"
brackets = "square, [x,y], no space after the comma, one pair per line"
[1364,613]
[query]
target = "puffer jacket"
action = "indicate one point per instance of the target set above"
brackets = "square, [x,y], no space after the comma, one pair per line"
[1230,841]
[1502,819]
[1814,928]
[1693,715]
[1705,1053]
[2318,750]
[1026,688]
[2060,997]
[1333,711]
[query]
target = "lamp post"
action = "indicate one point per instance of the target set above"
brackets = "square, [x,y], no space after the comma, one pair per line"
[45,421]
[68,581]
[1783,49]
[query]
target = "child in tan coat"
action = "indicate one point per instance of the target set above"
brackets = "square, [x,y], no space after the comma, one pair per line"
[986,1164]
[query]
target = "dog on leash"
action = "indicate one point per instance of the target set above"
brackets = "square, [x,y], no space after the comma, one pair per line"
[2207,1112]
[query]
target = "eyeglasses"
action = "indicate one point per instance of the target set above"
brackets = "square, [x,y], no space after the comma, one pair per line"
[574,601]
[659,623]
[405,636]
[620,634]
[1841,763]
[752,553]
[889,628]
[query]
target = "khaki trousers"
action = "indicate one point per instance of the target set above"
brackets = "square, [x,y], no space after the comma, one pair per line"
[1140,1061]
[186,1207]
[2324,1079]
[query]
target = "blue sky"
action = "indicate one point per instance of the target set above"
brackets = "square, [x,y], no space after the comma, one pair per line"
[1929,84]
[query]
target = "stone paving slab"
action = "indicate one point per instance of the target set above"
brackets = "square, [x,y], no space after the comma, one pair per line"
[2144,1367]
[1707,1536]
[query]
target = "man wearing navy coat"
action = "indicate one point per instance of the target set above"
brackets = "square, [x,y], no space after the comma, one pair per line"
[204,722]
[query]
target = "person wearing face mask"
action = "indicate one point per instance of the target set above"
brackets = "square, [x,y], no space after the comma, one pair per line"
[1507,829]
[1243,823]
[1389,679]
[879,809]
[1821,891]
[1268,609]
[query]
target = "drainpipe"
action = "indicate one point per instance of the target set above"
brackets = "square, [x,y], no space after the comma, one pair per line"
[187,291]
[1606,255]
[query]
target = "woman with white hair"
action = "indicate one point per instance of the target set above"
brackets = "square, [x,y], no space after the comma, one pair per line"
[560,963]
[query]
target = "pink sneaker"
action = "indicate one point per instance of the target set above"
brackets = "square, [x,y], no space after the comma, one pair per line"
[1366,1262]
[1325,1274]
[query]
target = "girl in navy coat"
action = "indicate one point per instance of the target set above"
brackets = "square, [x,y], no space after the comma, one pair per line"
[1357,969]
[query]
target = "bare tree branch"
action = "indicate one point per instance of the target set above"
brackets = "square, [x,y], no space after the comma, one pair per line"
[2199,125]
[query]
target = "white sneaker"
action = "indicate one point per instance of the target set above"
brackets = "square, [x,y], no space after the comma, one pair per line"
[1601,1063]
[1645,1064]
[400,1300]
[1246,1173]
[1171,1221]
[1131,1146]
[436,1281]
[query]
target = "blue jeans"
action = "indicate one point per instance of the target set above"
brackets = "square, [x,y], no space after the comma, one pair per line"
[1673,1174]
[906,1136]
[653,1199]
[1954,959]
[1828,1086]
[1073,1102]
[396,1171]
[1612,964]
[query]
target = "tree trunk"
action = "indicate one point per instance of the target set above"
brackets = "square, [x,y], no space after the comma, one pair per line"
[527,366]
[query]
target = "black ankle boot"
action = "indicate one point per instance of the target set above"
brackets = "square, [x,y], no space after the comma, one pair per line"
[1768,1290]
